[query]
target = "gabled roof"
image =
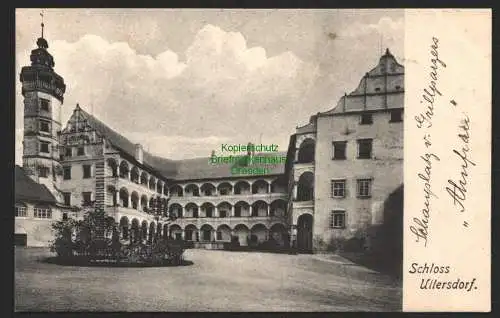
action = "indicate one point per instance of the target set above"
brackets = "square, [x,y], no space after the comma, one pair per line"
[166,167]
[28,190]
[202,168]
[196,168]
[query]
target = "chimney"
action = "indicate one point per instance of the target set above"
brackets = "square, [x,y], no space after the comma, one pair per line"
[138,152]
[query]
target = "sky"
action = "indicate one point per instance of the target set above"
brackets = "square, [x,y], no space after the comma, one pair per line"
[184,81]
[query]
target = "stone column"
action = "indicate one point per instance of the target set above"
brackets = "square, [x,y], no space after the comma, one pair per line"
[268,188]
[232,211]
[117,196]
[295,189]
[267,211]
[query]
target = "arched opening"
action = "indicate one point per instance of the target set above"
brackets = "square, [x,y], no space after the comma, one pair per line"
[165,189]
[144,202]
[279,186]
[176,210]
[192,190]
[111,168]
[144,230]
[278,208]
[224,209]
[207,210]
[258,234]
[124,228]
[176,191]
[159,227]
[260,187]
[111,196]
[306,151]
[241,232]
[305,187]
[207,233]
[124,169]
[242,187]
[225,188]
[176,232]
[223,233]
[304,233]
[190,233]
[135,200]
[152,183]
[134,174]
[259,208]
[159,187]
[144,179]
[208,189]
[124,197]
[279,236]
[152,232]
[191,210]
[134,231]
[241,208]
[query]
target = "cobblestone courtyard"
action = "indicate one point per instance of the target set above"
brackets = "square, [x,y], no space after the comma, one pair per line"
[217,281]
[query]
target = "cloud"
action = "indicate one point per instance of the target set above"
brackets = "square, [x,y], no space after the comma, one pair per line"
[222,89]
[385,26]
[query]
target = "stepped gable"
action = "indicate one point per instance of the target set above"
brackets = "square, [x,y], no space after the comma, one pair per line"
[28,190]
[381,88]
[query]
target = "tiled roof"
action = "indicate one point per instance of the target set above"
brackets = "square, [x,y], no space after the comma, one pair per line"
[28,190]
[196,168]
[165,167]
[202,168]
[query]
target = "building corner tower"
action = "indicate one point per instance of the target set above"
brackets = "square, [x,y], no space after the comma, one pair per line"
[43,92]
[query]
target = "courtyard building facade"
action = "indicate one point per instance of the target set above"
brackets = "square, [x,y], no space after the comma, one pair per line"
[339,171]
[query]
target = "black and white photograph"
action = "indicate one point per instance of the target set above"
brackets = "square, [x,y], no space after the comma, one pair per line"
[209,160]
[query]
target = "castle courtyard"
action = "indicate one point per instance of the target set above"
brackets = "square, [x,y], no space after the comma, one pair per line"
[217,281]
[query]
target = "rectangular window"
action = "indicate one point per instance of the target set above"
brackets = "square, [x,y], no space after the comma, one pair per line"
[87,198]
[43,172]
[337,219]
[219,235]
[44,126]
[364,188]
[366,119]
[21,211]
[42,213]
[44,104]
[80,151]
[67,173]
[339,150]
[87,171]
[365,148]
[67,198]
[65,216]
[44,147]
[338,188]
[68,152]
[396,116]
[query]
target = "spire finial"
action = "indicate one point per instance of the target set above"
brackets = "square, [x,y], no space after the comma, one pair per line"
[41,14]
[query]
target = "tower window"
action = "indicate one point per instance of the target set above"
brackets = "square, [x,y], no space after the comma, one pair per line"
[44,126]
[44,147]
[44,104]
[365,148]
[87,171]
[366,119]
[67,173]
[396,116]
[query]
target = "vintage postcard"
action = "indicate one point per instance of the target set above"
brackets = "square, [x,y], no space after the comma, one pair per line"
[174,160]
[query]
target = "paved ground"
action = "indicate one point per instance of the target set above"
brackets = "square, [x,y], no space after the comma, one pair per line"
[217,281]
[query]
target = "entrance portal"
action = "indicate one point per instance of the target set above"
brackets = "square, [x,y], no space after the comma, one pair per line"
[304,233]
